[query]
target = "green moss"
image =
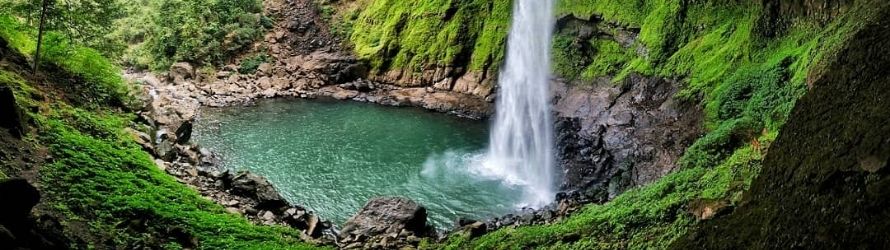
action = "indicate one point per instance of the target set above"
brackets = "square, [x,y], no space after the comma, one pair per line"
[609,58]
[414,35]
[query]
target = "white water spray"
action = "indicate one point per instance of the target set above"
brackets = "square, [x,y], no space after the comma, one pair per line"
[521,145]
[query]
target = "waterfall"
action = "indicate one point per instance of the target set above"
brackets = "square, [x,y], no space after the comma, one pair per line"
[521,144]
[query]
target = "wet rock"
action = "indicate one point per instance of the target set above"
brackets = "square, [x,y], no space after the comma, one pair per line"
[476,229]
[614,137]
[184,132]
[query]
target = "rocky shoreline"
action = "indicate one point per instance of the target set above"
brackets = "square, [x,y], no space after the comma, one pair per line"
[634,116]
[610,136]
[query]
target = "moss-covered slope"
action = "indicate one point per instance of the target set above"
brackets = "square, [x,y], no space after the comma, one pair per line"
[826,180]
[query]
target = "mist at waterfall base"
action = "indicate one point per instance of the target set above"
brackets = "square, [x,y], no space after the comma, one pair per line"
[520,150]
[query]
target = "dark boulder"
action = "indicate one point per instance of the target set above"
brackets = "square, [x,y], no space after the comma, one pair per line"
[184,132]
[18,198]
[388,215]
[10,115]
[254,186]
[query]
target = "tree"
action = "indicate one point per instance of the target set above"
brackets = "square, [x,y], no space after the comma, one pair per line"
[85,22]
[44,6]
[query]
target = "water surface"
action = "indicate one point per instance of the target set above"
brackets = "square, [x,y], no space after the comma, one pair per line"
[332,156]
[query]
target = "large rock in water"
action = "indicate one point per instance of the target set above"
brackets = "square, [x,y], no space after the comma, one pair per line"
[386,216]
[184,132]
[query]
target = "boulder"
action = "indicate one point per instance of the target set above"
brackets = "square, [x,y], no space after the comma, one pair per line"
[181,71]
[184,132]
[18,198]
[386,216]
[10,115]
[255,186]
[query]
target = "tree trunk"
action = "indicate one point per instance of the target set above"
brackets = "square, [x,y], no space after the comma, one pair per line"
[43,7]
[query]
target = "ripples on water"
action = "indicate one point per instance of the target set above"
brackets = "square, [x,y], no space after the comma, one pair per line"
[333,156]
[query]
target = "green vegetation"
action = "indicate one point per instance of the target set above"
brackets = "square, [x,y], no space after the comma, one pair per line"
[744,70]
[101,78]
[103,178]
[87,22]
[642,218]
[205,32]
[416,35]
[108,190]
[250,64]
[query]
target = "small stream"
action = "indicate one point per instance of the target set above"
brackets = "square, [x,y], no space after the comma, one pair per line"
[332,156]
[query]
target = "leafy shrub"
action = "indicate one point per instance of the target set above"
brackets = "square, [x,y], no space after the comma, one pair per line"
[249,65]
[102,78]
[206,32]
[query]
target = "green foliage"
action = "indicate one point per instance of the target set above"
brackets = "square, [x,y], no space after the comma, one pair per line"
[414,35]
[85,22]
[102,78]
[746,82]
[249,65]
[13,32]
[609,58]
[206,32]
[568,59]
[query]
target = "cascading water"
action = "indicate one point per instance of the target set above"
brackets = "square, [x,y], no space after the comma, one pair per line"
[521,144]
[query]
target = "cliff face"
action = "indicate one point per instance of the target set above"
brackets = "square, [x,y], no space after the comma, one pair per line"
[449,45]
[735,67]
[612,137]
[825,180]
